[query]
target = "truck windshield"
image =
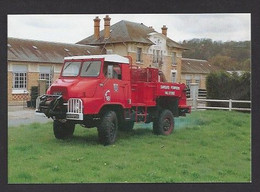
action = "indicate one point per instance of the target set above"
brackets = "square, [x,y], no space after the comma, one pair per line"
[90,69]
[71,69]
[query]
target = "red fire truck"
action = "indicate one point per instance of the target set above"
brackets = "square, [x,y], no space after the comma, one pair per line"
[108,92]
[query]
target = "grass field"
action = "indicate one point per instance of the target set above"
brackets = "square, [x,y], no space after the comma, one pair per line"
[206,146]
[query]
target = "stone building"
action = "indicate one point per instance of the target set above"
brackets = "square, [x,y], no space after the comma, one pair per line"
[146,46]
[30,60]
[196,71]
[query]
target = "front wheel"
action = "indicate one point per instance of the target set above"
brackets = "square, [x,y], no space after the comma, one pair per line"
[164,124]
[107,129]
[63,130]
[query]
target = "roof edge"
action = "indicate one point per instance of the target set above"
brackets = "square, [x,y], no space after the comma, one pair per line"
[52,42]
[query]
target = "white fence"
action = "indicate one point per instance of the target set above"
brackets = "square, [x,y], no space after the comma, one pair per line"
[201,104]
[198,102]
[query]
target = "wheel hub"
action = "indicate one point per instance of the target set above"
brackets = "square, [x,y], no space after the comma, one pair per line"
[166,125]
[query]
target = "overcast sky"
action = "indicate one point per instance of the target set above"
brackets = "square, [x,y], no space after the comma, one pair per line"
[71,28]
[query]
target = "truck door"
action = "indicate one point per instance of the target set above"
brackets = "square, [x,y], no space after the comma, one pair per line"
[120,86]
[116,89]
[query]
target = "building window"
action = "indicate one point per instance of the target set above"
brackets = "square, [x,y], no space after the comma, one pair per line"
[139,54]
[45,73]
[154,57]
[174,60]
[19,77]
[20,80]
[157,57]
[46,76]
[188,81]
[174,76]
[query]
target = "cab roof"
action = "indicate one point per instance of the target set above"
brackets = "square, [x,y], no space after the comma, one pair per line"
[110,58]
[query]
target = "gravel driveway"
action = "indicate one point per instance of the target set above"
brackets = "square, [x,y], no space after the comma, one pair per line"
[18,115]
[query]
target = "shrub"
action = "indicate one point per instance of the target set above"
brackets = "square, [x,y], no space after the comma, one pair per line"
[34,95]
[222,85]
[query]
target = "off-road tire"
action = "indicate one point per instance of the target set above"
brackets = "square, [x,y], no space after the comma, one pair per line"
[107,128]
[164,124]
[63,130]
[126,125]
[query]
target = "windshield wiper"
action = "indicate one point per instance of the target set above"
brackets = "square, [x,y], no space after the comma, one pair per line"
[67,66]
[88,67]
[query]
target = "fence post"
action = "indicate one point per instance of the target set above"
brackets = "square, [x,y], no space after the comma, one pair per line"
[194,91]
[230,104]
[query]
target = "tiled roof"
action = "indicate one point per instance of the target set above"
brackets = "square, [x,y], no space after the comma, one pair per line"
[123,31]
[126,31]
[43,51]
[196,66]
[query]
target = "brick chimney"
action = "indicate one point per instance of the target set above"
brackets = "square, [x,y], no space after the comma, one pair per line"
[96,28]
[164,30]
[107,26]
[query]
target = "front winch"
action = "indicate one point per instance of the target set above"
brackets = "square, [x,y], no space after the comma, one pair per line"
[52,105]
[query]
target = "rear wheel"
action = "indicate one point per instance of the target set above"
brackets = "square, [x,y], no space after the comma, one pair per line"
[107,129]
[63,130]
[164,124]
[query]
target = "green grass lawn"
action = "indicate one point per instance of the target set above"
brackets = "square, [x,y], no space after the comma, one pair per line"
[206,146]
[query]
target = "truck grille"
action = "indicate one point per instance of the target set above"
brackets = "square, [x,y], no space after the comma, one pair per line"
[75,109]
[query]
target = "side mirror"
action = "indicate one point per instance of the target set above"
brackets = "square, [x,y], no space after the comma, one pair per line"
[110,71]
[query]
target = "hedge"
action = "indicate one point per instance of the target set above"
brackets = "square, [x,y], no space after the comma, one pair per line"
[223,85]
